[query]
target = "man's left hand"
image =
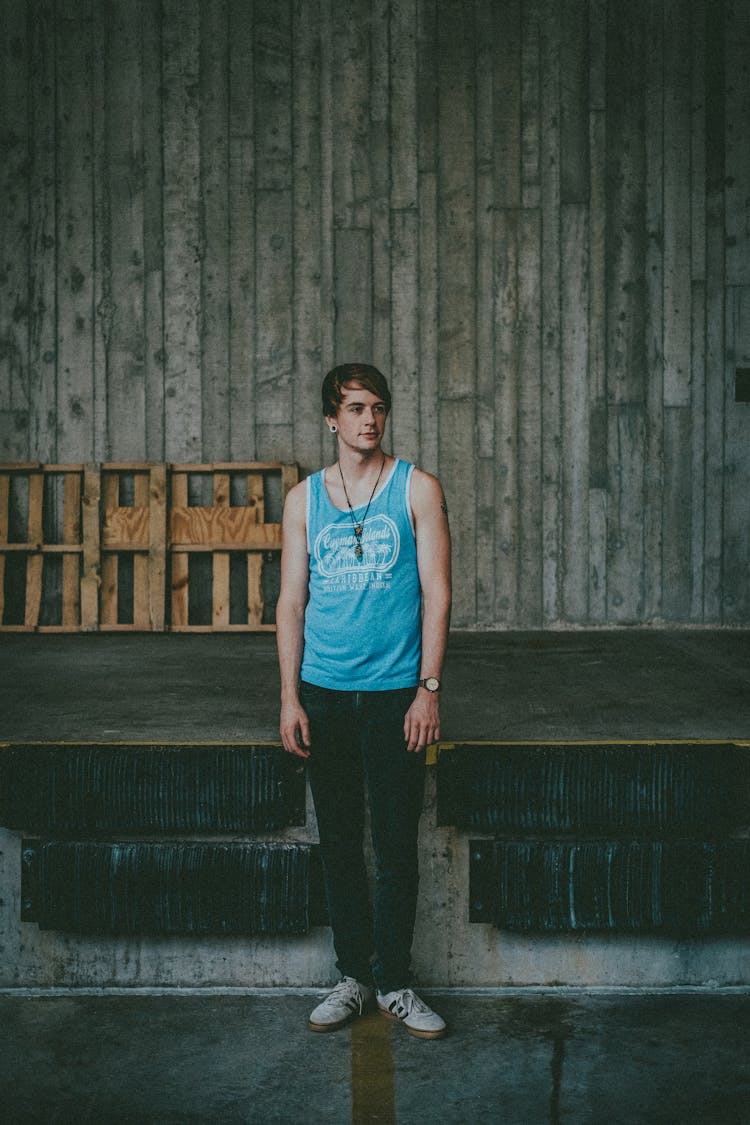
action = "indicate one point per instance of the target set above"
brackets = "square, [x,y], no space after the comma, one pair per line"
[422,722]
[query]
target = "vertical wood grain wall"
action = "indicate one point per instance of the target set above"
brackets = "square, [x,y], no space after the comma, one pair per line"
[532,214]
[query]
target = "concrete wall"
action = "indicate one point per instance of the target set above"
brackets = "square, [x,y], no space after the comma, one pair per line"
[448,952]
[531,213]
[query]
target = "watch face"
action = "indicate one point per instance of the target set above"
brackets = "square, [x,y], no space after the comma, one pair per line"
[431,683]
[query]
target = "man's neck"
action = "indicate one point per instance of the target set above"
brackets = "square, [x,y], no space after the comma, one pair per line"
[357,465]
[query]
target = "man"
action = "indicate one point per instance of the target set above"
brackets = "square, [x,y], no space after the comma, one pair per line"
[362,625]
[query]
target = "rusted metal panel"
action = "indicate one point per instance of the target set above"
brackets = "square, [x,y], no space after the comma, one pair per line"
[89,789]
[681,887]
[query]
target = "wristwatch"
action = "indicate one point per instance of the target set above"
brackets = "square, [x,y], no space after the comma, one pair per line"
[432,683]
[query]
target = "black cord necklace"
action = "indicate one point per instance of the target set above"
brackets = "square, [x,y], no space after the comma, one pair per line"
[360,526]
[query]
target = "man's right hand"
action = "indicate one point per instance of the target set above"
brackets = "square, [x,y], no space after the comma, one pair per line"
[295,729]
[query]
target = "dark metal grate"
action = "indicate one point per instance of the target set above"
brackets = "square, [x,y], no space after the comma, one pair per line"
[594,790]
[676,886]
[91,789]
[171,888]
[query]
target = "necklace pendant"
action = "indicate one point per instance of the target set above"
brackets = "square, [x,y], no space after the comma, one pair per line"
[358,551]
[358,530]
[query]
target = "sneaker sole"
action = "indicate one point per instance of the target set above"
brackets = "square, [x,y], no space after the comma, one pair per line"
[413,1030]
[331,1026]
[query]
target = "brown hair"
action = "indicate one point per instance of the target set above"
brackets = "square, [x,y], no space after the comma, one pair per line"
[365,374]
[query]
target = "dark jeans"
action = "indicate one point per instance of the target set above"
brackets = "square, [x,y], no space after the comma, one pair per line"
[358,737]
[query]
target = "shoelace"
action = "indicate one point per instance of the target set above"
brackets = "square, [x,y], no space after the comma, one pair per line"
[350,993]
[407,1003]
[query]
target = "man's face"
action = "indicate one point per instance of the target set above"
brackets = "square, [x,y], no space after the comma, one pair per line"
[360,418]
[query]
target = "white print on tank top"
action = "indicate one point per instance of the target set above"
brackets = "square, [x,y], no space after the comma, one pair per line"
[338,565]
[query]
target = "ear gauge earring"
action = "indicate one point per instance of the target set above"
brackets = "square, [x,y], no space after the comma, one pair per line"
[333,429]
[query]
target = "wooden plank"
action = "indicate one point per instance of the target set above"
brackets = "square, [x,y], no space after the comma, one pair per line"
[531,124]
[241,230]
[427,86]
[4,495]
[273,332]
[402,79]
[456,214]
[485,254]
[71,563]
[380,346]
[456,420]
[698,447]
[551,401]
[307,201]
[677,197]
[506,115]
[214,165]
[123,289]
[428,322]
[125,529]
[574,101]
[596,328]
[353,292]
[141,599]
[352,189]
[157,546]
[91,548]
[698,302]
[506,360]
[102,221]
[530,546]
[715,313]
[574,300]
[153,230]
[677,562]
[180,575]
[736,560]
[224,466]
[327,129]
[289,477]
[75,246]
[656,295]
[386,134]
[405,331]
[110,488]
[255,604]
[256,496]
[182,234]
[625,562]
[43,434]
[220,596]
[626,286]
[273,227]
[213,528]
[737,150]
[14,224]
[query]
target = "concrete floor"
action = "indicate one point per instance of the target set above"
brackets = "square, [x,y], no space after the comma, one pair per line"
[513,1056]
[521,1059]
[607,684]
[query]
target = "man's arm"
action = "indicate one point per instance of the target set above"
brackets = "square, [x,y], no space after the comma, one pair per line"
[290,621]
[422,723]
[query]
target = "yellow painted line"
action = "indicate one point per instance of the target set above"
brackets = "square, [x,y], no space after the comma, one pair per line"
[434,752]
[373,1098]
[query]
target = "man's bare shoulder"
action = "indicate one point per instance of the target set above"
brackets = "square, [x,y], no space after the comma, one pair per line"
[296,501]
[427,491]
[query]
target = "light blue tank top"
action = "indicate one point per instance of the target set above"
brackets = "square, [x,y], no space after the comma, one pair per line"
[363,628]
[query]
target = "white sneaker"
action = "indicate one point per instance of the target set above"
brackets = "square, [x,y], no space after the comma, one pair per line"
[347,1000]
[417,1018]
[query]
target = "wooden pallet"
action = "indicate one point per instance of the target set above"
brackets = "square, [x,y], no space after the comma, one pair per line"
[223,528]
[133,536]
[50,505]
[113,532]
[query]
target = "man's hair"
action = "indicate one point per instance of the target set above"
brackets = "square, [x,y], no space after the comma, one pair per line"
[365,374]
